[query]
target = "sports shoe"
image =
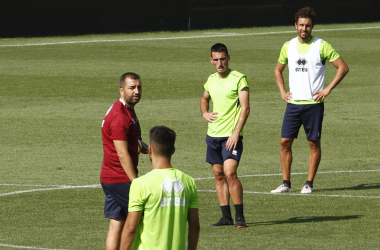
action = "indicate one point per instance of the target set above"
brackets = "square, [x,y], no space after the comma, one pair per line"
[240,222]
[281,189]
[306,189]
[223,222]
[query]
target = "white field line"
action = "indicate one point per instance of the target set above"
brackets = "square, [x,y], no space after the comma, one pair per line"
[48,189]
[299,194]
[57,187]
[27,247]
[35,190]
[208,35]
[29,185]
[171,38]
[322,172]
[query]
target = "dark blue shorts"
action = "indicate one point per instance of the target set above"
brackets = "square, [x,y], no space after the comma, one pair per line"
[217,152]
[117,198]
[310,116]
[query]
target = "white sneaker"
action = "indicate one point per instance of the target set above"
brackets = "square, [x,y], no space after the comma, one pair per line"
[306,189]
[281,189]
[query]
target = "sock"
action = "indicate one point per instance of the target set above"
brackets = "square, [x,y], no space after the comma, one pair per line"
[287,183]
[310,183]
[239,211]
[226,211]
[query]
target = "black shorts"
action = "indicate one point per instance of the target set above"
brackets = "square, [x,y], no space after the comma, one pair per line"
[117,199]
[217,152]
[310,116]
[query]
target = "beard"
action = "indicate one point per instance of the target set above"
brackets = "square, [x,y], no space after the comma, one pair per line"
[131,101]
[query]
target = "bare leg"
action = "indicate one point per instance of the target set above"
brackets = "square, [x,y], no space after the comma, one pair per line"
[221,185]
[286,157]
[114,234]
[234,184]
[314,159]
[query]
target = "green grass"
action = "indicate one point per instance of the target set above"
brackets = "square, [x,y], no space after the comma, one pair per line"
[53,98]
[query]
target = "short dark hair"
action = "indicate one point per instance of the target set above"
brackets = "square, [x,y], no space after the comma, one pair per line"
[306,12]
[219,47]
[162,140]
[129,75]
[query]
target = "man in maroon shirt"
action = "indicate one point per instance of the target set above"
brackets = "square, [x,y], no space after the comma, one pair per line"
[121,144]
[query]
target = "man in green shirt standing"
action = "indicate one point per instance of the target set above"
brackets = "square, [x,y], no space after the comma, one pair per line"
[229,92]
[306,58]
[162,202]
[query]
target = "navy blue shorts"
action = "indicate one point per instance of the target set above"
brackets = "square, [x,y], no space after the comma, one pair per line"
[117,198]
[217,152]
[310,116]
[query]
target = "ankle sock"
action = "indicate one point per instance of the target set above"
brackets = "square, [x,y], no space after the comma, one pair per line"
[239,211]
[310,183]
[287,183]
[226,211]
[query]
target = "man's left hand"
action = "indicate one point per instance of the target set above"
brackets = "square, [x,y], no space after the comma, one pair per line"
[232,142]
[321,95]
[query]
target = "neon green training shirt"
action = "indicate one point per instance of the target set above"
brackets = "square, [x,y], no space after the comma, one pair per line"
[327,52]
[225,98]
[164,196]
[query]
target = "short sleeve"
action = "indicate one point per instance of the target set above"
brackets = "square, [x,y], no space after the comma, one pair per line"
[243,83]
[206,85]
[283,59]
[194,200]
[119,128]
[136,197]
[328,53]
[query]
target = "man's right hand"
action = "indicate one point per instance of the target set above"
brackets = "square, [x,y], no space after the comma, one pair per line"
[287,96]
[210,117]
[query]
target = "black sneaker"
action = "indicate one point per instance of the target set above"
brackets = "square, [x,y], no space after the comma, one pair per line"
[223,222]
[240,222]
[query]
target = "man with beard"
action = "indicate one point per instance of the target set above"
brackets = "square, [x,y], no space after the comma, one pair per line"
[121,144]
[306,57]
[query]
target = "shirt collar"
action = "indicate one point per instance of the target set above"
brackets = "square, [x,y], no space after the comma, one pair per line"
[123,102]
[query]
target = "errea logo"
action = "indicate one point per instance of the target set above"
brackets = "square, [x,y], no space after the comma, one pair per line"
[301,62]
[169,186]
[175,186]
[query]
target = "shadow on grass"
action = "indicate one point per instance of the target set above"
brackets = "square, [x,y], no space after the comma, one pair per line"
[307,220]
[358,187]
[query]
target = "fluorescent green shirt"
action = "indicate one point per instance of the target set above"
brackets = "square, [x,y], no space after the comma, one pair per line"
[164,196]
[225,98]
[327,52]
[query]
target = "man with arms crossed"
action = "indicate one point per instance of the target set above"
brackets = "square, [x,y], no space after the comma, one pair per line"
[228,90]
[306,57]
[121,144]
[162,202]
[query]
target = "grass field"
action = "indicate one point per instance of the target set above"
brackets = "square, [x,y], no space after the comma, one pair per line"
[55,92]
